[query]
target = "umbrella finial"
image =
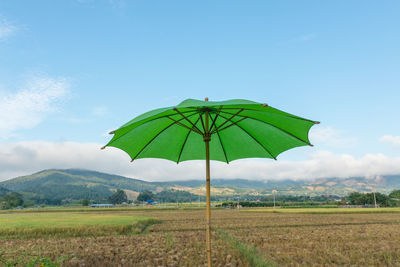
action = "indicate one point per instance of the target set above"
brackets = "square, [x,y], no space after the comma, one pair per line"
[206,99]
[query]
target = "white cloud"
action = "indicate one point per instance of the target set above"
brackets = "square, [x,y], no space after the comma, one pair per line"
[331,137]
[394,140]
[28,107]
[6,29]
[27,157]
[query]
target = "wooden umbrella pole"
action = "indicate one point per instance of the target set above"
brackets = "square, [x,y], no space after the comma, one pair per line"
[208,215]
[207,139]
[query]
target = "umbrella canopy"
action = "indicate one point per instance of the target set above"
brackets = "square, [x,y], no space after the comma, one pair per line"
[238,129]
[222,131]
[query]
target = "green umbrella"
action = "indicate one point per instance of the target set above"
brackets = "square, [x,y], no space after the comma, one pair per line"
[212,130]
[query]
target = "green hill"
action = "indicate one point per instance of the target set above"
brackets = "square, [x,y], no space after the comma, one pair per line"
[74,184]
[3,191]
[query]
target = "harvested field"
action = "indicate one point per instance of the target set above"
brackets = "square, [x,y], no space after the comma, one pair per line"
[242,239]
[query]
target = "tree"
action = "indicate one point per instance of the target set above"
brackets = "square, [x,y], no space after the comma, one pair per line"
[395,198]
[11,200]
[175,196]
[356,198]
[118,197]
[145,196]
[395,194]
[85,202]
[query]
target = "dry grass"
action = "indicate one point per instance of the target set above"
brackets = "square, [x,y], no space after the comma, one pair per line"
[286,239]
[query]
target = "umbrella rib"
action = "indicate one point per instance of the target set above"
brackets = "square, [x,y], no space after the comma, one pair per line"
[143,148]
[180,113]
[215,119]
[202,122]
[183,125]
[255,139]
[223,148]
[227,119]
[184,143]
[231,124]
[292,135]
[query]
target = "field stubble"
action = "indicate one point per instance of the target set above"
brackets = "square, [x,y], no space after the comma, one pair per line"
[286,239]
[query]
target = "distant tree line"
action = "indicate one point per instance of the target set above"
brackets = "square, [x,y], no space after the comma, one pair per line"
[355,198]
[278,204]
[280,198]
[303,198]
[391,200]
[119,197]
[169,196]
[9,199]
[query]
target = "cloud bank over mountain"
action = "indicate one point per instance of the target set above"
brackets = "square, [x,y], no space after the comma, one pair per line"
[22,158]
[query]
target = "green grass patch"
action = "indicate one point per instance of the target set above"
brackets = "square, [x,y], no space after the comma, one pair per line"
[145,224]
[84,209]
[250,253]
[169,241]
[111,210]
[67,224]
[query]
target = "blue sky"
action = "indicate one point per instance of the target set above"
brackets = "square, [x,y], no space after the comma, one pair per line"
[71,71]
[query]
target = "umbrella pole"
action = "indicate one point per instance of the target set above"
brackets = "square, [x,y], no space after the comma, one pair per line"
[208,210]
[207,139]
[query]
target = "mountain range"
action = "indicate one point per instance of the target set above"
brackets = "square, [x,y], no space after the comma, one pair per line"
[75,184]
